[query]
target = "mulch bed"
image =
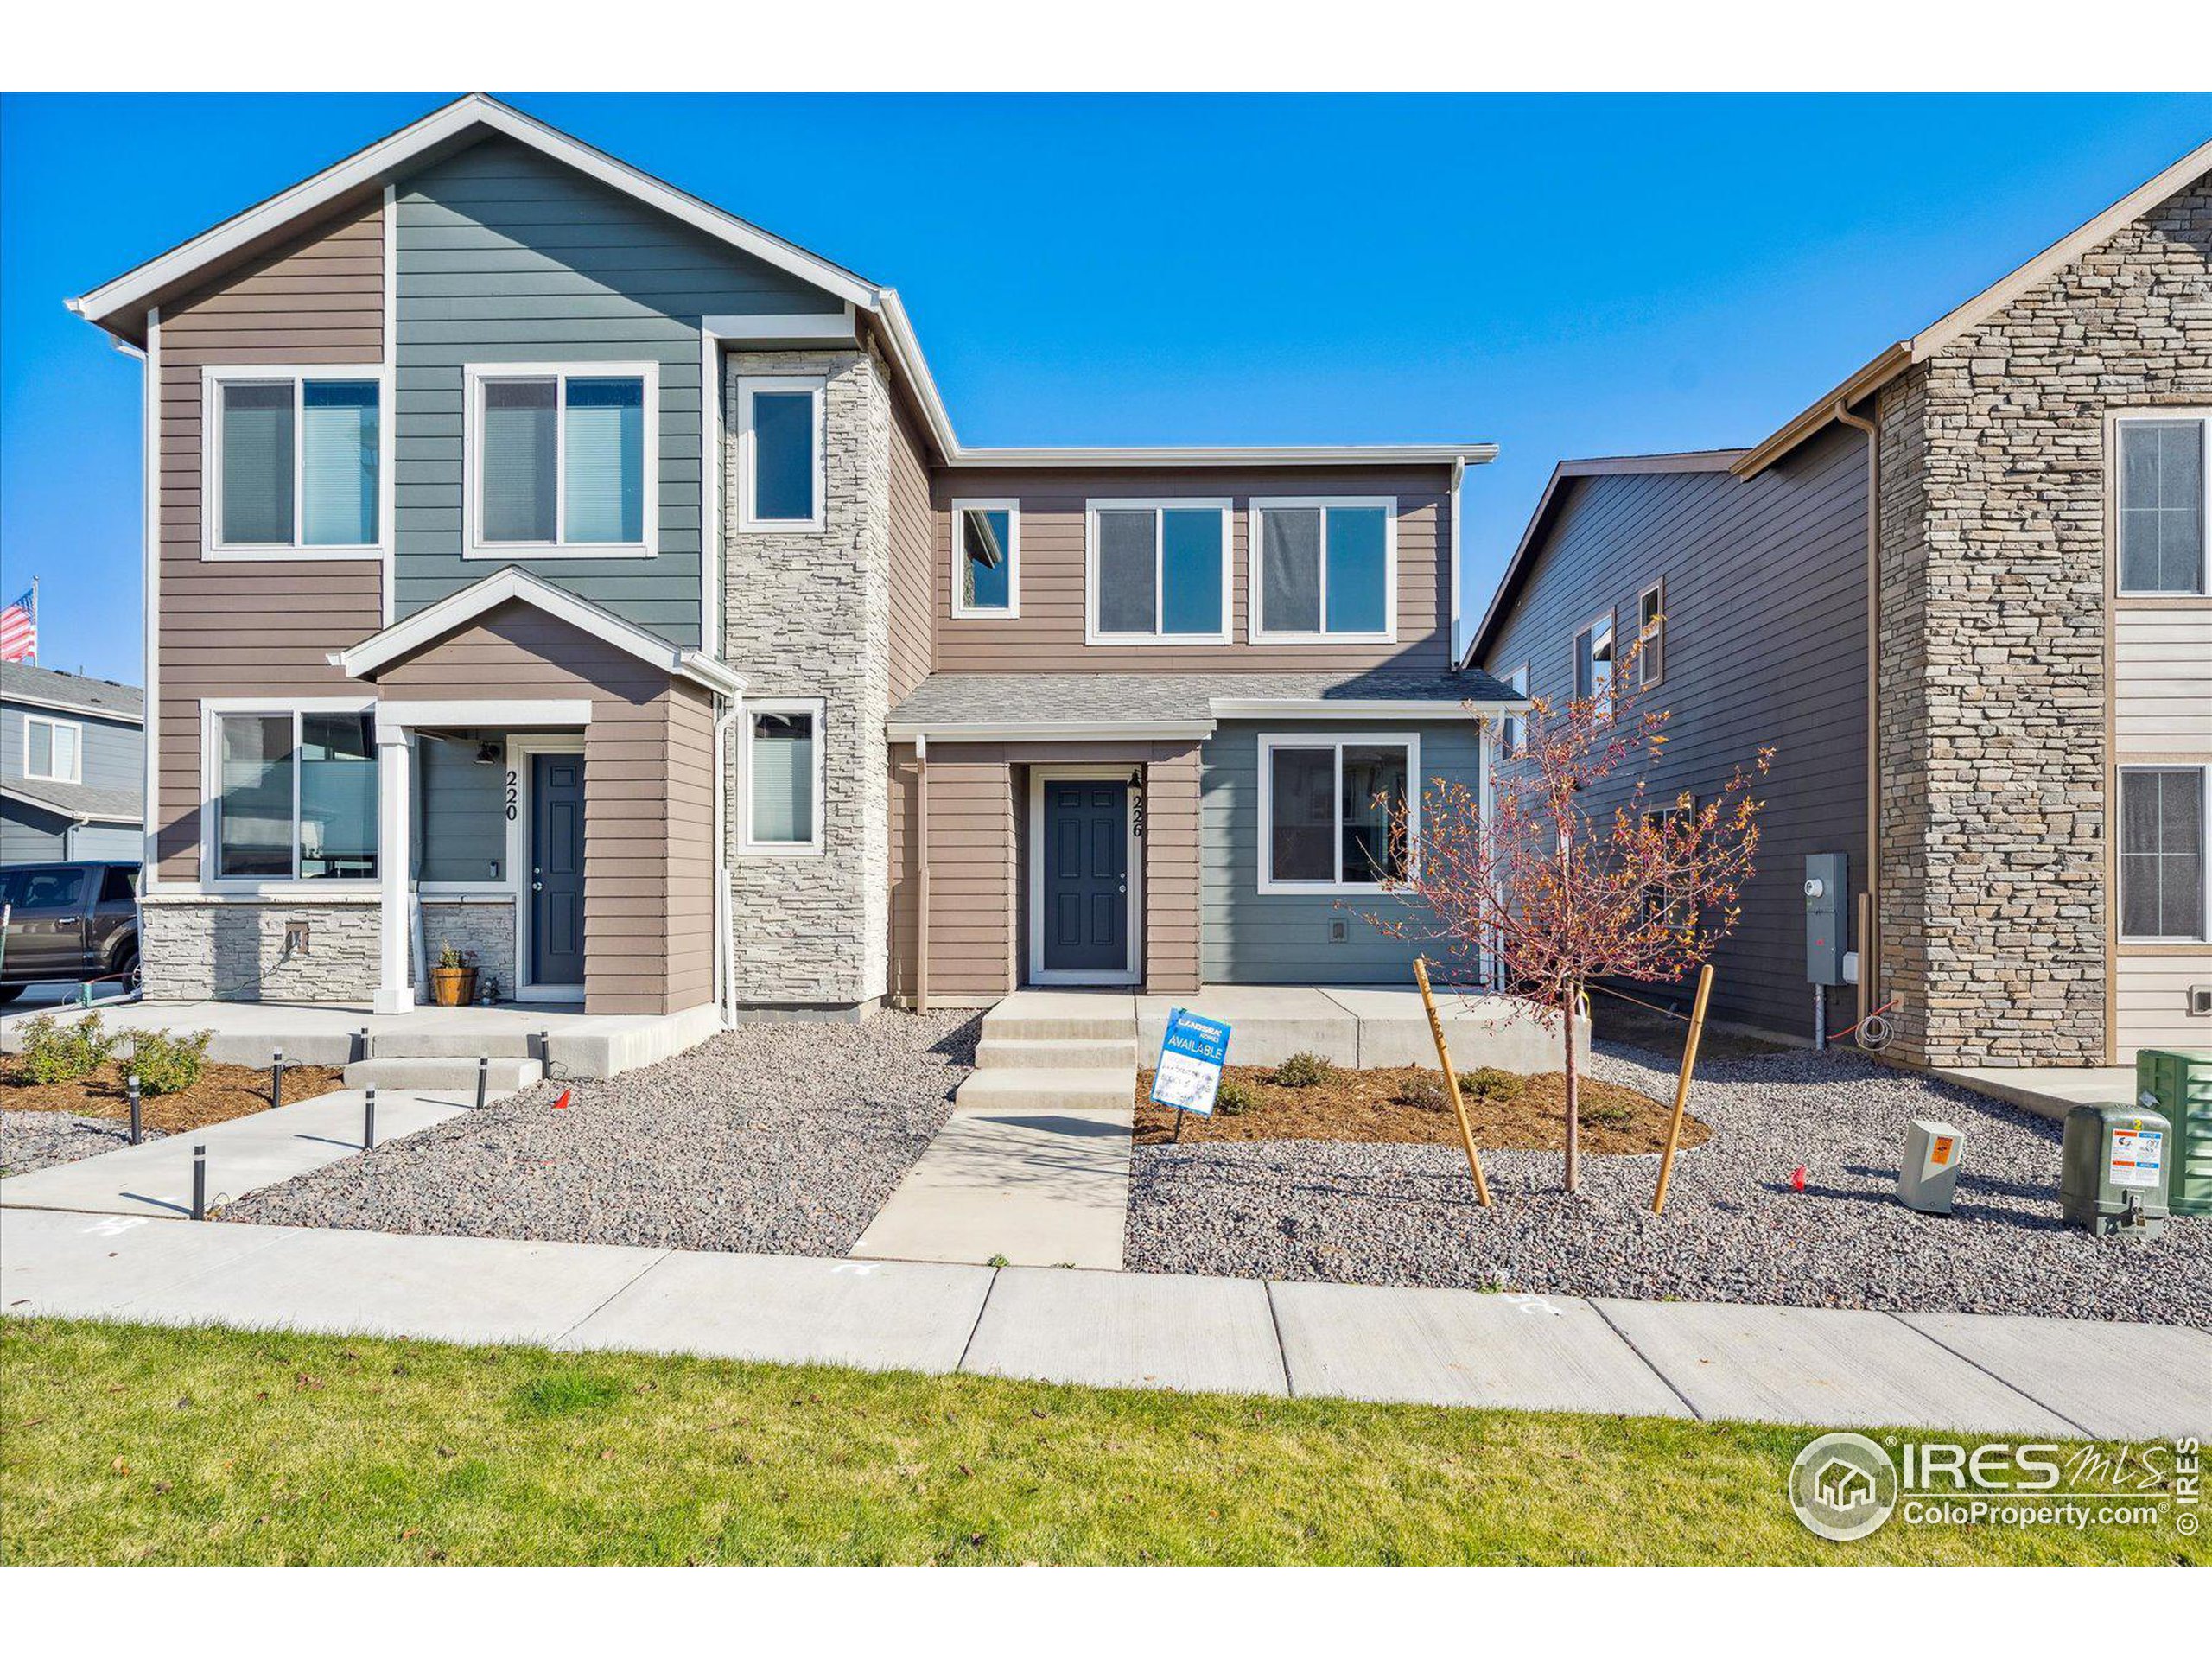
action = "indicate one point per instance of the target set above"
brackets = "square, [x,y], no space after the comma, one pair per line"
[222,1092]
[1372,1107]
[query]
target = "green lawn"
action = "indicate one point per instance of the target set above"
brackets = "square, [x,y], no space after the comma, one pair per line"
[130,1443]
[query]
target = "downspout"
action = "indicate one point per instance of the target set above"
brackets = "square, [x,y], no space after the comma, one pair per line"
[1870,928]
[921,874]
[727,710]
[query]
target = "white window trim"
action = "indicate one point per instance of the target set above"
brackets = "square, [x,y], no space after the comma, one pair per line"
[212,378]
[1011,506]
[818,706]
[76,728]
[473,378]
[1645,679]
[1337,741]
[748,386]
[211,798]
[2204,851]
[1600,625]
[2202,417]
[1513,734]
[1256,630]
[1159,507]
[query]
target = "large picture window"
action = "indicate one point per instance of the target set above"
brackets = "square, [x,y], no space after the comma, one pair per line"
[2162,853]
[1324,569]
[1158,573]
[561,460]
[295,462]
[782,775]
[294,796]
[1329,808]
[2164,500]
[780,452]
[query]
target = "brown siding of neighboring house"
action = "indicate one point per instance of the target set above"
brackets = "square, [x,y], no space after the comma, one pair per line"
[648,795]
[246,628]
[913,555]
[1048,635]
[1765,645]
[978,880]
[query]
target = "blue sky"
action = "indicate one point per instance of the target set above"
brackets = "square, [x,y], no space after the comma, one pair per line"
[1565,275]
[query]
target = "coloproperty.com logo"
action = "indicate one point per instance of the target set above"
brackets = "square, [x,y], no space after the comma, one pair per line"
[1847,1486]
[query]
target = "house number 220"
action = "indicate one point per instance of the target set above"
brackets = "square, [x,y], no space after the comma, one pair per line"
[514,792]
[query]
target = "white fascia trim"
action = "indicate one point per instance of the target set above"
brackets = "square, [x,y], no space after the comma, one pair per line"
[1257,508]
[1053,731]
[402,638]
[59,811]
[840,328]
[388,155]
[1338,709]
[1379,455]
[493,713]
[15,699]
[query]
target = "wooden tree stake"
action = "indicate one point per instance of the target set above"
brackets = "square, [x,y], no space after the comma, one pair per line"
[1682,1086]
[1451,1082]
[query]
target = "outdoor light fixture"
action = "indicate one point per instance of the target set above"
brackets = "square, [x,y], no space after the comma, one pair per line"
[489,751]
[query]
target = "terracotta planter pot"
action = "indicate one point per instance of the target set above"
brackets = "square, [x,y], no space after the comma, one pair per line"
[453,988]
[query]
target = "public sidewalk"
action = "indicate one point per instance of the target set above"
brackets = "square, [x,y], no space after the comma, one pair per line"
[1957,1371]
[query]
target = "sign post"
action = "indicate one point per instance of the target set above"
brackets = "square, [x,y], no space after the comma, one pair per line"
[1191,1055]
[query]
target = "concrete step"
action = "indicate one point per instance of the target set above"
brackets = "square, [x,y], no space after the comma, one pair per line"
[506,1075]
[1095,1089]
[1073,1027]
[996,1053]
[520,1044]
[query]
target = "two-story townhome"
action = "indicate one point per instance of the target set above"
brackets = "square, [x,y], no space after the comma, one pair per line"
[72,761]
[543,561]
[2008,730]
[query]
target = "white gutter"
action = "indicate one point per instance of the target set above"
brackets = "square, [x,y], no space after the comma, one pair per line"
[1365,708]
[725,946]
[1048,731]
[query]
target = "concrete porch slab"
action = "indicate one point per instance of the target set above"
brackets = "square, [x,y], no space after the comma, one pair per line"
[1129,1330]
[1480,1028]
[1267,1023]
[80,1266]
[155,1177]
[872,1315]
[2118,1381]
[1042,1187]
[405,1285]
[1463,1348]
[1833,1367]
[2049,1091]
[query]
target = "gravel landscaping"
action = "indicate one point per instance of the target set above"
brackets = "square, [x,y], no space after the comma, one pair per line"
[31,1140]
[1734,1231]
[783,1138]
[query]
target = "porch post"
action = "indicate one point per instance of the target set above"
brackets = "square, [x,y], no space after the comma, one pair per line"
[394,857]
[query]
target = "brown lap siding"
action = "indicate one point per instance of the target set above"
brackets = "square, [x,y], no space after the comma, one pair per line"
[259,627]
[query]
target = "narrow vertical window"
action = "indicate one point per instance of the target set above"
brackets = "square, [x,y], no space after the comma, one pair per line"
[783,777]
[2161,506]
[2162,863]
[256,444]
[1593,665]
[986,558]
[1651,635]
[1512,732]
[604,462]
[338,463]
[779,445]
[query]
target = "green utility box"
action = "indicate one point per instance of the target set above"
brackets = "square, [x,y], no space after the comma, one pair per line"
[2177,1083]
[2113,1171]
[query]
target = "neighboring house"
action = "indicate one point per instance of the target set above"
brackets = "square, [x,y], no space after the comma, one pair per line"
[73,763]
[544,561]
[2034,665]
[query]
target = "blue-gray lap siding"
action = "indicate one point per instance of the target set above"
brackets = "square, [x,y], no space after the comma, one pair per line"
[31,834]
[504,255]
[1254,937]
[114,751]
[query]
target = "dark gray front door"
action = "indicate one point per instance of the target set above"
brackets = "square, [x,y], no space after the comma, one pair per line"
[1086,876]
[556,869]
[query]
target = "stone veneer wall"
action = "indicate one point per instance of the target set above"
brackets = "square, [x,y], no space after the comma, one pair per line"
[483,929]
[1992,670]
[203,950]
[808,614]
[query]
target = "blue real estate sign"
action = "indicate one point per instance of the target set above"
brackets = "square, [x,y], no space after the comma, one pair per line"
[1191,1056]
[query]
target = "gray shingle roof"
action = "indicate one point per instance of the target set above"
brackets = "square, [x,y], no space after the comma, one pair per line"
[72,690]
[1111,700]
[76,800]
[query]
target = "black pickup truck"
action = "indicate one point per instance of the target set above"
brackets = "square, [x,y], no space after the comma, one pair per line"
[68,922]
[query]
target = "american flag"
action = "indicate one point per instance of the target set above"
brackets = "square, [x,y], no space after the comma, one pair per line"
[19,629]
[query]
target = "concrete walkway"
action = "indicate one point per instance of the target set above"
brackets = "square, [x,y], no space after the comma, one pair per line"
[2049,1091]
[2046,1377]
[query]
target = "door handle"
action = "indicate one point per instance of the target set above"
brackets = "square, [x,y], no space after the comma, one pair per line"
[538,886]
[68,921]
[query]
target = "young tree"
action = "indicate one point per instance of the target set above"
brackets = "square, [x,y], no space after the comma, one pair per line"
[1563,892]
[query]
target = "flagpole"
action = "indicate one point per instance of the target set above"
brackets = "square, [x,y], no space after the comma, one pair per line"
[34,621]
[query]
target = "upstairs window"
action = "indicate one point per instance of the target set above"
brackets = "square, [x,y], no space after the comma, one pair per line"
[1158,573]
[1593,665]
[1324,569]
[54,750]
[2162,863]
[558,459]
[1651,634]
[2164,504]
[1329,811]
[780,452]
[295,462]
[294,796]
[986,557]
